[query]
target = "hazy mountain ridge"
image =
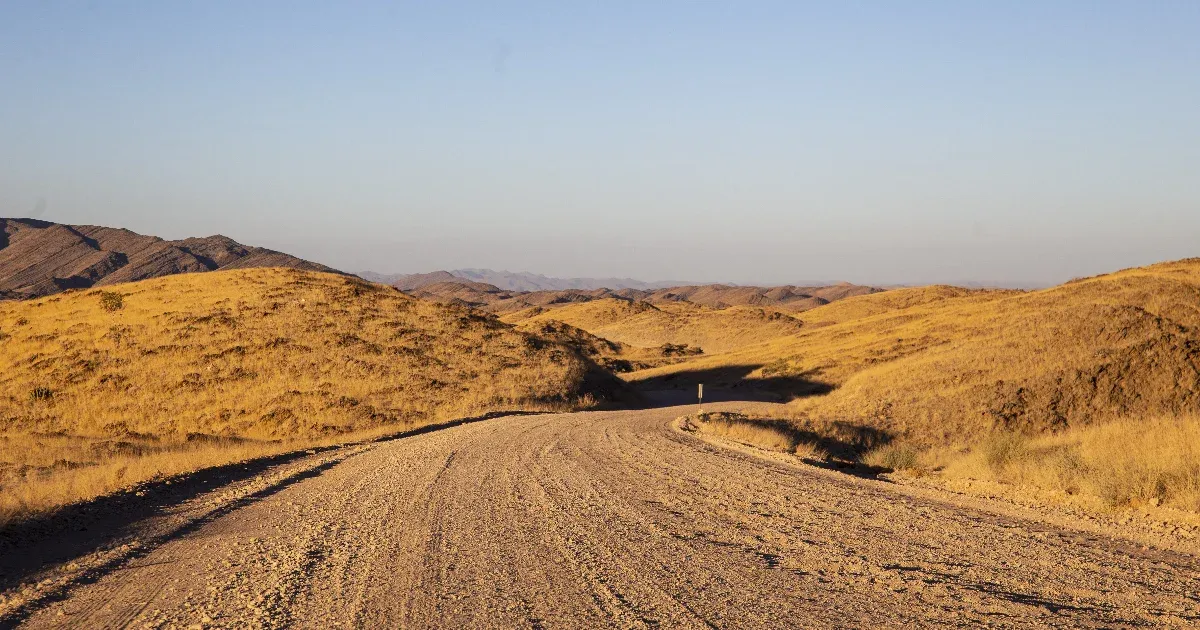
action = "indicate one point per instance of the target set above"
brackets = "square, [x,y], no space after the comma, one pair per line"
[39,258]
[511,280]
[525,281]
[506,292]
[497,300]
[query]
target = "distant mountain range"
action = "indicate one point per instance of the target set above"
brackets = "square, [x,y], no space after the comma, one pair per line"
[512,281]
[39,258]
[470,287]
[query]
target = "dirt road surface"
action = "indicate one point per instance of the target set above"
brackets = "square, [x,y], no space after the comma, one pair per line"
[607,519]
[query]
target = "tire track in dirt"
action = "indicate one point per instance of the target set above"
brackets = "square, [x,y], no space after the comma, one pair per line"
[616,519]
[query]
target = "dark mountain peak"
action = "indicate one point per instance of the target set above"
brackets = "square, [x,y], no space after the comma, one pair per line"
[39,258]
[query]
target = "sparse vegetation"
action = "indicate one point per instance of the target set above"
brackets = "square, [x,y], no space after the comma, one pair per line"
[111,301]
[766,434]
[938,365]
[208,368]
[893,456]
[678,328]
[40,393]
[1090,388]
[1129,462]
[615,356]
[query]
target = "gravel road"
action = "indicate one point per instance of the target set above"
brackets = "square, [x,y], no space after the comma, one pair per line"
[609,519]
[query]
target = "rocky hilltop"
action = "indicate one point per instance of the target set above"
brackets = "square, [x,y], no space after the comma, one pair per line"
[39,258]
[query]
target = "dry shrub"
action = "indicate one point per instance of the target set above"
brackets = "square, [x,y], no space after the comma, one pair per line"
[111,301]
[755,434]
[894,456]
[1002,448]
[809,450]
[40,393]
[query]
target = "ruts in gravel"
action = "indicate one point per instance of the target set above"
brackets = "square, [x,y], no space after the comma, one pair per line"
[615,519]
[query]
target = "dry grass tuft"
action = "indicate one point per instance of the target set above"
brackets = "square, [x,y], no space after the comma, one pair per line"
[894,456]
[99,392]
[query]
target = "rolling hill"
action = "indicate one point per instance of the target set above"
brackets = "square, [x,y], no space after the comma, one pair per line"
[442,286]
[512,281]
[938,364]
[525,281]
[787,298]
[39,258]
[99,389]
[642,324]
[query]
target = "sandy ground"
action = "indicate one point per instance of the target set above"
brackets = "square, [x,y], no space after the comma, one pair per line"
[603,519]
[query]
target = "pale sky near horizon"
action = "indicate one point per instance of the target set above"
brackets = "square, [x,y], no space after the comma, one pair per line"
[753,142]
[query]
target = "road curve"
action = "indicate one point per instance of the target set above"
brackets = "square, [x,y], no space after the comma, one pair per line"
[617,519]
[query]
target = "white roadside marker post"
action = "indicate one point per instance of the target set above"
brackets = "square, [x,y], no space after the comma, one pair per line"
[700,396]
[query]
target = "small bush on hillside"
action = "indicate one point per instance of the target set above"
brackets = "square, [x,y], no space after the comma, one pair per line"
[111,301]
[1004,448]
[679,350]
[40,393]
[893,456]
[778,367]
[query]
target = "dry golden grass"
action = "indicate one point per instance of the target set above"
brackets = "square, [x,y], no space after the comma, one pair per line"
[99,392]
[895,456]
[938,366]
[642,324]
[1129,462]
[762,433]
[617,357]
[1121,463]
[1088,388]
[862,306]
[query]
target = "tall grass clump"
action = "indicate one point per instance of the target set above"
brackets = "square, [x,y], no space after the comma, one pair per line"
[894,456]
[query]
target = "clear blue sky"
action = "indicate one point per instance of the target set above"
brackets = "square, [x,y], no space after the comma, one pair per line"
[883,142]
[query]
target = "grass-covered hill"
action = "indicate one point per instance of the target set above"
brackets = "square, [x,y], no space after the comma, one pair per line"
[938,364]
[639,323]
[99,387]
